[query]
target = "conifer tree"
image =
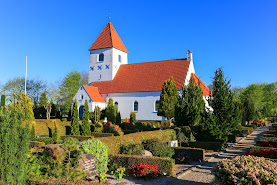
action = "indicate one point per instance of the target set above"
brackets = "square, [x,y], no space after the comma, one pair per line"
[56,135]
[97,114]
[3,100]
[190,105]
[33,132]
[111,111]
[168,100]
[118,118]
[85,124]
[133,118]
[249,108]
[75,119]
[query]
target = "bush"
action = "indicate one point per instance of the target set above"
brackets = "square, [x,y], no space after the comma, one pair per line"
[158,148]
[131,149]
[232,138]
[127,126]
[133,118]
[95,134]
[215,146]
[46,140]
[247,130]
[99,150]
[80,138]
[115,142]
[129,131]
[165,165]
[269,144]
[263,153]
[268,139]
[258,148]
[111,128]
[246,170]
[196,153]
[34,144]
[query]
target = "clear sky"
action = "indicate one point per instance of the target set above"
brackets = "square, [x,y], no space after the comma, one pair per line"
[238,35]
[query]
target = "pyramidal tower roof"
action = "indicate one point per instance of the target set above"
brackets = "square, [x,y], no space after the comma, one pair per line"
[108,38]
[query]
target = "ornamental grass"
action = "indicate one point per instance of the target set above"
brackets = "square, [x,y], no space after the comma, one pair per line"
[246,170]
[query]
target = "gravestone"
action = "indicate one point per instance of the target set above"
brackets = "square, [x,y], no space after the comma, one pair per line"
[88,165]
[173,143]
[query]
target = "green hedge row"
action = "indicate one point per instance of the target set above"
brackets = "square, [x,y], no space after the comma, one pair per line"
[33,144]
[46,140]
[165,165]
[129,131]
[115,142]
[96,134]
[268,138]
[196,153]
[247,130]
[80,138]
[258,148]
[215,146]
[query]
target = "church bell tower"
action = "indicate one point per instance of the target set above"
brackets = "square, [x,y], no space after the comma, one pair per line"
[107,53]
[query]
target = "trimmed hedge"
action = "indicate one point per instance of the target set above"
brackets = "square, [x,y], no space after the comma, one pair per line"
[115,142]
[258,148]
[268,138]
[96,134]
[80,138]
[204,145]
[196,153]
[46,140]
[33,144]
[247,130]
[165,165]
[129,131]
[269,135]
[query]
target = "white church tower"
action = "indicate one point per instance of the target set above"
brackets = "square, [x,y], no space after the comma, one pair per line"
[107,53]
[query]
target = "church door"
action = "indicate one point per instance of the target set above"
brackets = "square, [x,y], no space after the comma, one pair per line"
[81,111]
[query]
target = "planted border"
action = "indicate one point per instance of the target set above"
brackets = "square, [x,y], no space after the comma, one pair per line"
[80,138]
[204,145]
[33,144]
[196,153]
[96,134]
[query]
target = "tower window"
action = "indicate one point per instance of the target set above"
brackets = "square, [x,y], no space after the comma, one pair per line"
[119,58]
[101,57]
[136,106]
[156,105]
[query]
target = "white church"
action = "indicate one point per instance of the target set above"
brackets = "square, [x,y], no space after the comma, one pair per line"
[133,87]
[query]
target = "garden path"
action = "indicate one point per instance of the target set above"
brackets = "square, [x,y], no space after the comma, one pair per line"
[201,174]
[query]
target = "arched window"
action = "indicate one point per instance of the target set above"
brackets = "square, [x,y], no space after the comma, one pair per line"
[135,106]
[101,57]
[82,96]
[119,58]
[156,105]
[116,105]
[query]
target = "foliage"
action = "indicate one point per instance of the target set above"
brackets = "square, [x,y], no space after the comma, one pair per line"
[75,119]
[113,168]
[86,125]
[33,132]
[158,148]
[263,153]
[111,111]
[56,134]
[133,118]
[197,154]
[111,128]
[13,87]
[118,173]
[165,165]
[102,176]
[115,142]
[246,170]
[168,100]
[46,140]
[99,150]
[131,149]
[14,139]
[144,171]
[3,100]
[96,134]
[183,157]
[118,118]
[249,109]
[190,105]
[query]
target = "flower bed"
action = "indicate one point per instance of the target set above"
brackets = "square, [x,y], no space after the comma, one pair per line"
[246,170]
[258,148]
[144,171]
[268,138]
[272,154]
[269,144]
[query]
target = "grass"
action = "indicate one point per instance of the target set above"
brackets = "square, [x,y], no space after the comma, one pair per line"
[42,126]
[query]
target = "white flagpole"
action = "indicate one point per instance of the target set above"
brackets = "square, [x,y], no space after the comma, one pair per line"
[26,76]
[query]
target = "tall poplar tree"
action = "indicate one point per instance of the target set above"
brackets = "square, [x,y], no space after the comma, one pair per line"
[190,105]
[85,124]
[75,119]
[168,100]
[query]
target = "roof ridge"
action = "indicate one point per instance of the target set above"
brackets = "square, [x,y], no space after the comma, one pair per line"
[156,61]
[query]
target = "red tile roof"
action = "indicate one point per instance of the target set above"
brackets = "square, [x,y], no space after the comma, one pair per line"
[148,76]
[108,38]
[205,89]
[93,93]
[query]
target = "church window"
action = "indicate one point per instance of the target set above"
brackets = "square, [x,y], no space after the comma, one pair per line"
[116,105]
[82,96]
[101,57]
[136,106]
[119,58]
[156,105]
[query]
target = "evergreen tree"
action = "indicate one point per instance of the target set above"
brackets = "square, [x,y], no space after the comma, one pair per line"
[33,132]
[118,118]
[111,111]
[238,112]
[97,114]
[3,100]
[24,105]
[249,108]
[56,135]
[133,118]
[168,100]
[14,139]
[190,105]
[86,125]
[75,120]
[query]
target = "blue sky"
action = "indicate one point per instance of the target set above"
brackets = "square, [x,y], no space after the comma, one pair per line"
[240,36]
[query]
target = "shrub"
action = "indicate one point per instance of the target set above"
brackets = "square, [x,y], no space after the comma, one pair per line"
[33,132]
[127,126]
[165,165]
[269,144]
[246,170]
[268,138]
[133,118]
[158,148]
[34,144]
[263,153]
[131,149]
[56,134]
[46,140]
[247,130]
[115,142]
[98,127]
[196,153]
[111,128]
[215,146]
[232,138]
[95,134]
[182,157]
[258,148]
[80,138]
[99,150]
[144,171]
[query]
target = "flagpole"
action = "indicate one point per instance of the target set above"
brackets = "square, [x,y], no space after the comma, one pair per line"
[26,76]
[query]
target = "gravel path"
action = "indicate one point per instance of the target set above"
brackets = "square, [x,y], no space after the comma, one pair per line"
[201,174]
